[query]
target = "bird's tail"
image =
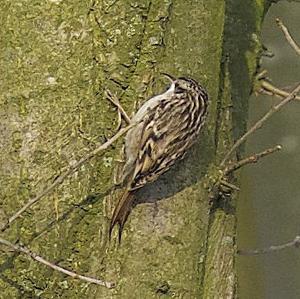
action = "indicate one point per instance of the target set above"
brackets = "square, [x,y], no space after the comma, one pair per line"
[121,212]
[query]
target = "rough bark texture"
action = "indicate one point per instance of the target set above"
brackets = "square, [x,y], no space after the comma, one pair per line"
[57,58]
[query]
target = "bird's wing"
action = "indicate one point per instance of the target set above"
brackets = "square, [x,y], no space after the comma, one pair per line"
[161,140]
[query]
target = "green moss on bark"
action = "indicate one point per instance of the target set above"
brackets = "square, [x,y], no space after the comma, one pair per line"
[58,58]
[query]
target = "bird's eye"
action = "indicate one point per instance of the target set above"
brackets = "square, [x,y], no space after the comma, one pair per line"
[179,89]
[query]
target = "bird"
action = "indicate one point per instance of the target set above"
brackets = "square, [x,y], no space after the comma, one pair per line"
[166,126]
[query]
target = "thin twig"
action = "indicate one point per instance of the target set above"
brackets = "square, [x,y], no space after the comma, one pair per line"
[62,177]
[229,185]
[251,159]
[261,75]
[41,260]
[295,243]
[288,36]
[260,122]
[115,101]
[272,90]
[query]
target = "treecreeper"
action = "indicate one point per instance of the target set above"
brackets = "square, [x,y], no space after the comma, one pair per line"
[166,127]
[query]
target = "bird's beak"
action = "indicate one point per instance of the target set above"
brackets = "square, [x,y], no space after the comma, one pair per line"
[169,77]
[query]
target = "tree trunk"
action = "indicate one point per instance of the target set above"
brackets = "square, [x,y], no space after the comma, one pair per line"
[57,59]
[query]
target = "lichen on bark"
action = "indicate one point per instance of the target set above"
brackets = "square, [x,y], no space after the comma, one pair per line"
[58,58]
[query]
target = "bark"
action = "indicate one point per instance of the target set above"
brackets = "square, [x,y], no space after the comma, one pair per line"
[57,59]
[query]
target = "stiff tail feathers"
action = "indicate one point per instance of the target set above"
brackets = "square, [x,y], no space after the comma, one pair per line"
[121,212]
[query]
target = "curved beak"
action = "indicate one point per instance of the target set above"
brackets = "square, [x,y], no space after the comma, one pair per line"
[169,77]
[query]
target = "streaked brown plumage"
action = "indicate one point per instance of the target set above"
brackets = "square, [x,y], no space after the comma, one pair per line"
[168,125]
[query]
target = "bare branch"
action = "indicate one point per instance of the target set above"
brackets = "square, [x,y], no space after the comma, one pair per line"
[288,36]
[295,243]
[62,177]
[41,260]
[115,101]
[251,159]
[229,185]
[260,122]
[270,89]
